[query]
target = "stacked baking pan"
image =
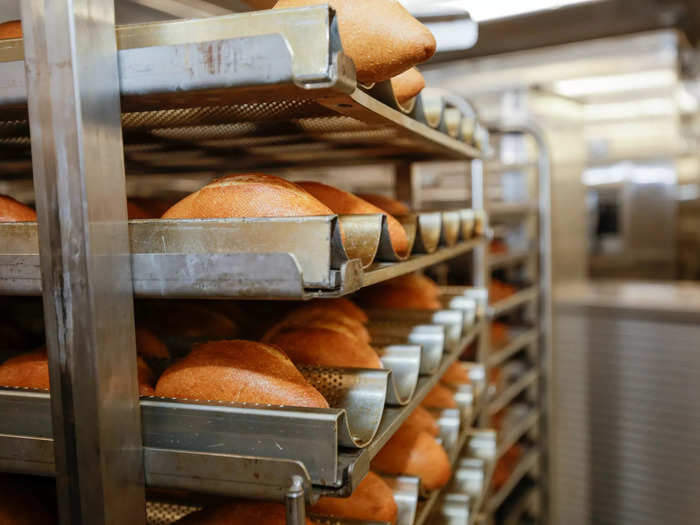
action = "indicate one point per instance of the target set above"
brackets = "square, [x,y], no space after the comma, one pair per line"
[286,258]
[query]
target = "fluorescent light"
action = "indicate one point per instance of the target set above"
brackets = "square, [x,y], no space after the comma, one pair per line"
[580,87]
[482,11]
[650,107]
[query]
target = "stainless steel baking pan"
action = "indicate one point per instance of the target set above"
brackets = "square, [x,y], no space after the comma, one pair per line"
[406,497]
[452,508]
[384,92]
[467,221]
[385,251]
[449,421]
[429,108]
[429,230]
[452,320]
[431,338]
[450,228]
[480,295]
[404,363]
[451,122]
[467,305]
[469,477]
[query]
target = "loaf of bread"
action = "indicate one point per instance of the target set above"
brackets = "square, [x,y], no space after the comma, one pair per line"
[407,85]
[22,505]
[326,344]
[412,291]
[149,345]
[422,421]
[345,203]
[389,205]
[31,370]
[498,290]
[11,29]
[456,374]
[248,195]
[316,314]
[440,397]
[415,453]
[505,466]
[372,500]
[13,211]
[381,37]
[238,372]
[498,333]
[239,513]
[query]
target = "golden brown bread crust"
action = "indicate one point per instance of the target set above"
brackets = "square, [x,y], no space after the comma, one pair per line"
[389,205]
[417,454]
[149,345]
[372,500]
[316,313]
[440,397]
[238,372]
[411,291]
[31,370]
[248,195]
[239,513]
[407,85]
[14,211]
[380,36]
[421,420]
[456,374]
[498,333]
[326,345]
[11,29]
[20,506]
[343,202]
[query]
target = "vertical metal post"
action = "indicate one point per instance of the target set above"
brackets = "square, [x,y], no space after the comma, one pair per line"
[77,155]
[295,503]
[407,185]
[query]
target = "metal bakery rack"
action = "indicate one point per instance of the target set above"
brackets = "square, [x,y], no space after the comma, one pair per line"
[266,90]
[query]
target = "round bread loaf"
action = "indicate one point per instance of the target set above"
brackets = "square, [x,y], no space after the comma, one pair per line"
[238,372]
[248,195]
[328,344]
[456,374]
[341,305]
[372,500]
[381,37]
[317,314]
[345,203]
[149,345]
[20,505]
[411,291]
[11,29]
[407,85]
[239,513]
[440,397]
[421,420]
[31,370]
[415,453]
[389,205]
[498,333]
[13,211]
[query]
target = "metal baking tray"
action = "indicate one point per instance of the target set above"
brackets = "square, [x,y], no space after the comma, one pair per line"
[285,258]
[519,338]
[262,90]
[430,337]
[452,508]
[452,320]
[461,297]
[469,477]
[240,450]
[406,490]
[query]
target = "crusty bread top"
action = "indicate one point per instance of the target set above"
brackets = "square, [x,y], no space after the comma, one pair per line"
[11,29]
[30,370]
[239,512]
[415,453]
[456,374]
[326,345]
[416,280]
[342,305]
[248,195]
[13,211]
[381,36]
[422,420]
[407,85]
[343,202]
[149,345]
[440,397]
[389,205]
[239,372]
[411,291]
[372,500]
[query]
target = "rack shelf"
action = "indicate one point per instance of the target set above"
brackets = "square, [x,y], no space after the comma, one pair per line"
[520,340]
[525,466]
[518,431]
[511,258]
[512,391]
[289,98]
[514,301]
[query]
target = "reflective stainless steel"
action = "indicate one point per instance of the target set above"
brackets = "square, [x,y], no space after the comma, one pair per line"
[406,497]
[452,320]
[404,363]
[429,231]
[450,227]
[453,508]
[72,84]
[469,476]
[449,422]
[430,337]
